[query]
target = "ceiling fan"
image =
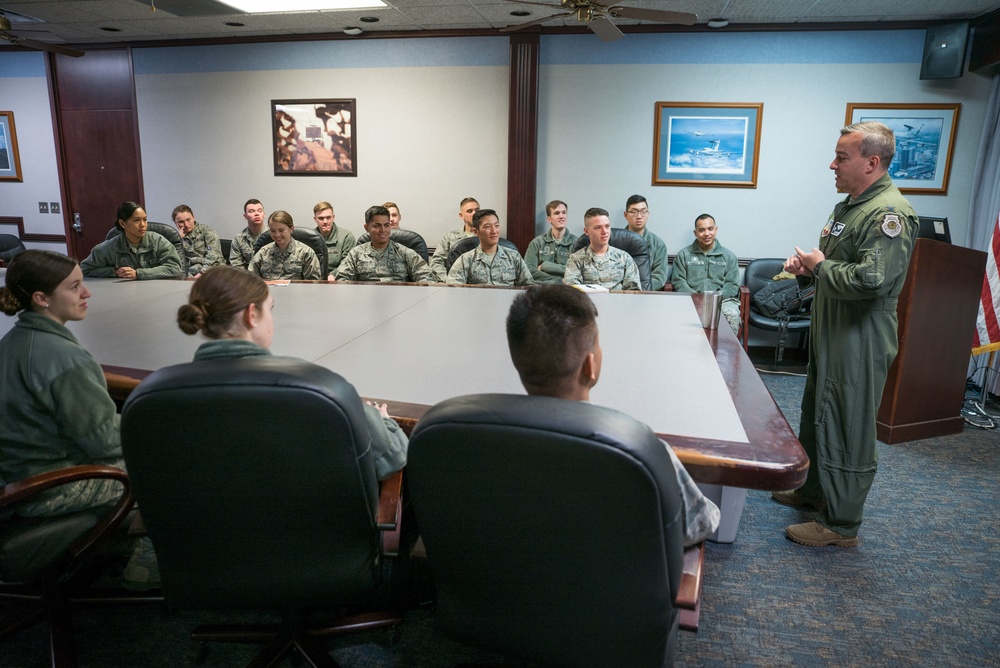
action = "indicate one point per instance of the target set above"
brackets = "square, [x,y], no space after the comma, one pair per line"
[597,14]
[32,44]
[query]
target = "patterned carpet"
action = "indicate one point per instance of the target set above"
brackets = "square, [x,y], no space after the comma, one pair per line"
[922,589]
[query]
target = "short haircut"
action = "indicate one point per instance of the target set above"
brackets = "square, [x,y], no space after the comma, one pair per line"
[375,211]
[482,213]
[634,199]
[249,202]
[180,208]
[876,139]
[594,212]
[551,206]
[321,206]
[466,201]
[282,217]
[391,205]
[551,328]
[703,217]
[217,298]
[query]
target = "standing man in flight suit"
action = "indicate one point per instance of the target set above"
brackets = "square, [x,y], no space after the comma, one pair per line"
[858,271]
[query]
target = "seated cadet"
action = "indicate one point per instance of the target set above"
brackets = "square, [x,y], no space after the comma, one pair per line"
[555,346]
[637,220]
[466,210]
[382,259]
[489,263]
[241,252]
[706,265]
[600,263]
[547,254]
[286,258]
[135,253]
[233,310]
[339,241]
[202,248]
[394,216]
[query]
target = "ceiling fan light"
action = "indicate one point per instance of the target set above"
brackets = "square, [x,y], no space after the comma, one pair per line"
[353,30]
[718,23]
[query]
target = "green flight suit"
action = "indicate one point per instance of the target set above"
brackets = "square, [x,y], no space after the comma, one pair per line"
[867,243]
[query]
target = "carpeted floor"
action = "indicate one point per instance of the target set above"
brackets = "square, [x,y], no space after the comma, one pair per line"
[922,589]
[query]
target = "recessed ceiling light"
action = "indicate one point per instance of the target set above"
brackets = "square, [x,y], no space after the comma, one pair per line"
[235,24]
[718,23]
[353,30]
[520,12]
[110,29]
[261,6]
[369,19]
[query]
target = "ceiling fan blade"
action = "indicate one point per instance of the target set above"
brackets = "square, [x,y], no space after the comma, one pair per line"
[534,23]
[661,16]
[41,46]
[605,29]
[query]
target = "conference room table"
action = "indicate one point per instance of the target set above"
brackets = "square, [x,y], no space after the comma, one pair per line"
[412,346]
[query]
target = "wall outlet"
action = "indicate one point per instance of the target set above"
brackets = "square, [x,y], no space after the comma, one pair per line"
[43,207]
[54,207]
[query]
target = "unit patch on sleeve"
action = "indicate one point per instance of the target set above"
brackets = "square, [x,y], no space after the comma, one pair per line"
[891,226]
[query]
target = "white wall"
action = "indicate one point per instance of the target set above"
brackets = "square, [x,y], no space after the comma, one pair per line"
[596,132]
[23,90]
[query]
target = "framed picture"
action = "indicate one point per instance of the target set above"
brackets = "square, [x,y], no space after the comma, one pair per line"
[706,144]
[10,159]
[925,142]
[314,137]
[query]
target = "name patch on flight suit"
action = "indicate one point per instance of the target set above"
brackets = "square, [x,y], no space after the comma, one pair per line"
[837,229]
[891,226]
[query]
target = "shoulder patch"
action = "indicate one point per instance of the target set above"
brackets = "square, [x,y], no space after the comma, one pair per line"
[891,226]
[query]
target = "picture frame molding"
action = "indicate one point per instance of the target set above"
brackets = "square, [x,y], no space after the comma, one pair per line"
[857,110]
[754,114]
[13,173]
[276,139]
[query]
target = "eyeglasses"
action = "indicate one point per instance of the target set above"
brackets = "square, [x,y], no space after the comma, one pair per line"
[638,213]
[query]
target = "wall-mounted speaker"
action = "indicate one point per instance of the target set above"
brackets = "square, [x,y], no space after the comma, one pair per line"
[944,51]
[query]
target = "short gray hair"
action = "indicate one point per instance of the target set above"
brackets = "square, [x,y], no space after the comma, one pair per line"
[876,139]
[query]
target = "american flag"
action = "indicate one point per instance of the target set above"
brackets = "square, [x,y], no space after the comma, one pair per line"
[987,338]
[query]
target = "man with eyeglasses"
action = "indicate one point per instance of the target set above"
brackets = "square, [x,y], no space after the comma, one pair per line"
[636,219]
[381,259]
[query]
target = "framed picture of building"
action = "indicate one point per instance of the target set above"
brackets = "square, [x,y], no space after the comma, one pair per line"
[925,142]
[706,144]
[314,137]
[10,159]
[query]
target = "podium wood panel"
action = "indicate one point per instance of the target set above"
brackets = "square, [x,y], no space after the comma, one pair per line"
[937,313]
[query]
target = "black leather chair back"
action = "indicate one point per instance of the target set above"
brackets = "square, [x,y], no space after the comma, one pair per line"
[411,240]
[227,247]
[463,246]
[309,237]
[256,482]
[167,231]
[9,247]
[631,243]
[553,529]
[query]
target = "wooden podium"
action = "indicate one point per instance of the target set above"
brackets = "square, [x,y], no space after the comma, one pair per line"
[937,314]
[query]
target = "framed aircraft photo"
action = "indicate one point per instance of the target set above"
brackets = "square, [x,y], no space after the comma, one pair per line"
[706,144]
[314,137]
[925,142]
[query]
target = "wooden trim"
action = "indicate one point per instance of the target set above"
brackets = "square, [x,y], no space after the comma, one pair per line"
[14,220]
[44,238]
[522,139]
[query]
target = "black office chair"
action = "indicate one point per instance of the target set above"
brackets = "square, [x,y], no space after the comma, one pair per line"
[411,240]
[10,246]
[463,246]
[281,513]
[761,272]
[167,231]
[553,529]
[39,556]
[631,243]
[227,247]
[309,237]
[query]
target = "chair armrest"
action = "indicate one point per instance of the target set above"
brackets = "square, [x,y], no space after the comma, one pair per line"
[31,486]
[744,334]
[689,594]
[390,513]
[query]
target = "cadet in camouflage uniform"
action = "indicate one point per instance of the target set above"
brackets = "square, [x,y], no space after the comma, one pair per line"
[339,241]
[286,258]
[135,253]
[489,263]
[600,263]
[202,248]
[382,259]
[637,220]
[548,253]
[707,265]
[466,210]
[858,271]
[241,251]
